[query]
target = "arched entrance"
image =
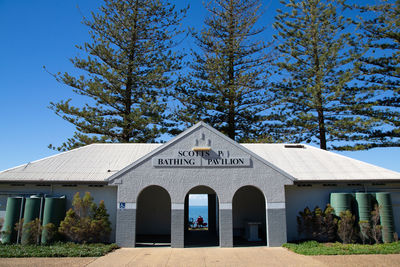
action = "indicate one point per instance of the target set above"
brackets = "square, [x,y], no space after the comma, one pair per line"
[249,217]
[206,231]
[153,217]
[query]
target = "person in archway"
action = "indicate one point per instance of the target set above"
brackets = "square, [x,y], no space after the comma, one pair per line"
[200,222]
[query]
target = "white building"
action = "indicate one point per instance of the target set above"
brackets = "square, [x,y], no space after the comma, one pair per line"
[146,186]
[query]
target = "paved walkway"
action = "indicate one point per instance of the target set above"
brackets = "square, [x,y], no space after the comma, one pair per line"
[251,256]
[254,256]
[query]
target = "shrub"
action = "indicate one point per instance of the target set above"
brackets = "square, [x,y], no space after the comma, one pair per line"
[101,224]
[325,224]
[18,228]
[318,225]
[86,223]
[305,223]
[50,232]
[4,231]
[32,230]
[346,227]
[365,231]
[376,228]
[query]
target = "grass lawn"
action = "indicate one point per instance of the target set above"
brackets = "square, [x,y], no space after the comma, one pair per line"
[56,250]
[315,248]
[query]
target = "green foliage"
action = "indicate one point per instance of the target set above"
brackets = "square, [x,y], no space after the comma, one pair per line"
[315,248]
[376,228]
[5,230]
[33,231]
[380,72]
[101,223]
[318,59]
[50,233]
[56,250]
[86,223]
[347,230]
[317,225]
[365,231]
[18,227]
[123,71]
[305,223]
[226,85]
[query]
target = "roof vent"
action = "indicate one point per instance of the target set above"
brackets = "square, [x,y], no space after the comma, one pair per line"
[294,146]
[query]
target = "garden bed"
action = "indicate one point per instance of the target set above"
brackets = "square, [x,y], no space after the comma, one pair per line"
[56,250]
[315,248]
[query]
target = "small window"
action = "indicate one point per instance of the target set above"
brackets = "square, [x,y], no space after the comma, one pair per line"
[17,184]
[304,185]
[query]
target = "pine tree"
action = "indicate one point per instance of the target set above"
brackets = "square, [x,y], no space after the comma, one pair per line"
[225,87]
[101,223]
[380,25]
[318,60]
[129,63]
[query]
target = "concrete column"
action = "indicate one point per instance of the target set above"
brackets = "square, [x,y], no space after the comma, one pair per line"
[276,224]
[212,213]
[177,225]
[186,212]
[126,225]
[225,225]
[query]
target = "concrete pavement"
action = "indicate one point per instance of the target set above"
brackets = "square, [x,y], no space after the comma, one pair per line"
[251,256]
[210,256]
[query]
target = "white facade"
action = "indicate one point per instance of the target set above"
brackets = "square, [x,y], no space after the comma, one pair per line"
[268,183]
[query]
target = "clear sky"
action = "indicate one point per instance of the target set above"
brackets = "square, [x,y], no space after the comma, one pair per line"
[44,33]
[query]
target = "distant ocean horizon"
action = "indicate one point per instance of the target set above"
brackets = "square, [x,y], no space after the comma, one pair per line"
[196,211]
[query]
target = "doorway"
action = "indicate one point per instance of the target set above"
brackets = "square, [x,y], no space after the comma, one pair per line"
[153,217]
[249,217]
[201,217]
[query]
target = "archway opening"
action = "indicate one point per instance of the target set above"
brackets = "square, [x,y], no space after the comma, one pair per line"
[153,217]
[249,217]
[201,217]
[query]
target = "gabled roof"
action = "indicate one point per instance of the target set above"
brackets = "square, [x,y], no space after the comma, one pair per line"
[313,164]
[102,162]
[188,132]
[91,163]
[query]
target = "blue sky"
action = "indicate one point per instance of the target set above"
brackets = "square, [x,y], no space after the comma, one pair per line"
[44,33]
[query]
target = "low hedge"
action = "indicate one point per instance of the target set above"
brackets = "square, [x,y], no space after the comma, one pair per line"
[315,248]
[56,250]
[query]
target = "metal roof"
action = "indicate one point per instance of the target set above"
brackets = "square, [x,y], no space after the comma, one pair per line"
[91,163]
[308,163]
[98,162]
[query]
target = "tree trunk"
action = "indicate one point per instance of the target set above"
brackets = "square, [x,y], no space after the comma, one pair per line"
[126,131]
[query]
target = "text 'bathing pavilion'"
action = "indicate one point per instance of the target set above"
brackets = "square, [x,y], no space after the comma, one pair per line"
[255,191]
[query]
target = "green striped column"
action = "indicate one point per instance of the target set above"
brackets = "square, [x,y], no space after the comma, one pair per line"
[340,202]
[14,211]
[386,213]
[32,211]
[54,212]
